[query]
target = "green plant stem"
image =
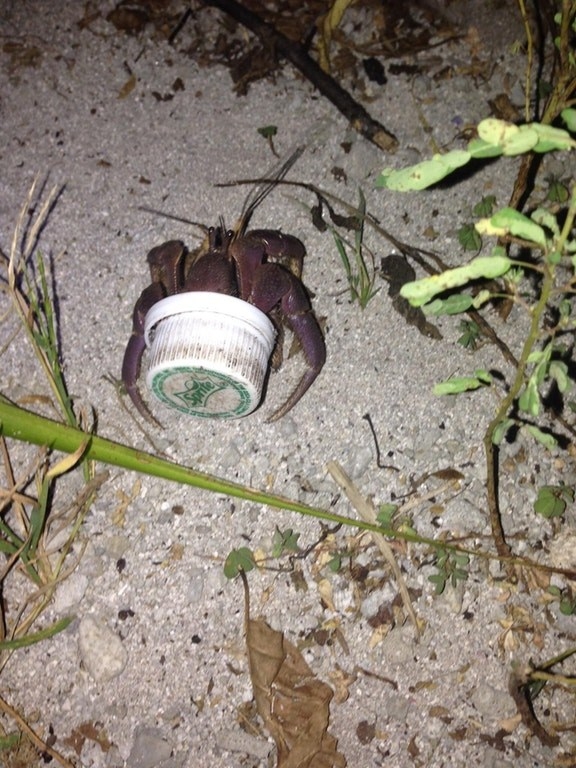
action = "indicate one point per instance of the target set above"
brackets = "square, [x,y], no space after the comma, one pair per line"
[20,424]
[43,634]
[490,449]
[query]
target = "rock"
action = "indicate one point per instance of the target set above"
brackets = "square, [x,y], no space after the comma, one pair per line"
[234,740]
[149,749]
[70,592]
[101,650]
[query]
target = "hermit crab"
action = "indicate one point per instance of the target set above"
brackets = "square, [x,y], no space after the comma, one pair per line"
[261,266]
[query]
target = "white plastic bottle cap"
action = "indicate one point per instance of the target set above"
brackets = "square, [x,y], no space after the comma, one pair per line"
[208,354]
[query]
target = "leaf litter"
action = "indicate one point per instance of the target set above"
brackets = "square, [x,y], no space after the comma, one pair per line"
[293,703]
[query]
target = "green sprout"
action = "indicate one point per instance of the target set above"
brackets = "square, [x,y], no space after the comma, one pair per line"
[360,278]
[284,541]
[451,567]
[470,334]
[552,500]
[239,560]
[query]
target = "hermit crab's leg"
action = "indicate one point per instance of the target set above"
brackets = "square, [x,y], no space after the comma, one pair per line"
[275,285]
[281,248]
[166,263]
[137,345]
[214,271]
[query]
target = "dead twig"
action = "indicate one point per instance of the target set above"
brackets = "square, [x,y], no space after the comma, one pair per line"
[366,512]
[38,742]
[297,55]
[518,689]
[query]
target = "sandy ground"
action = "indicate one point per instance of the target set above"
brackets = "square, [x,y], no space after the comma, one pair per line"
[152,672]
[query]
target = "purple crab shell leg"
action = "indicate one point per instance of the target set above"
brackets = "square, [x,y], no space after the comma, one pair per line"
[136,346]
[274,285]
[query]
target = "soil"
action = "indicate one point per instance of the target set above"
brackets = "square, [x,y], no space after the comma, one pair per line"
[152,671]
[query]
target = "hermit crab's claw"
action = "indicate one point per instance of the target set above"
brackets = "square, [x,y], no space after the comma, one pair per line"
[273,285]
[137,345]
[166,263]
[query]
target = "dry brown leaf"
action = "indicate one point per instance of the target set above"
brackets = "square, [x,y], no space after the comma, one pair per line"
[128,87]
[292,702]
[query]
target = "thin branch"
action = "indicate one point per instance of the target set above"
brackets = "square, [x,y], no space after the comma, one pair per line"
[39,743]
[297,55]
[366,512]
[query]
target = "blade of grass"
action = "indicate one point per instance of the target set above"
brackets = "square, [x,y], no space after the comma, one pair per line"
[20,424]
[346,263]
[40,510]
[37,637]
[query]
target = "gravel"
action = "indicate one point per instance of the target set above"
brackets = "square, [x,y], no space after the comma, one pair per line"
[154,661]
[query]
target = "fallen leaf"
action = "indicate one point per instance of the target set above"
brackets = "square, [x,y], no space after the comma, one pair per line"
[127,88]
[292,702]
[88,731]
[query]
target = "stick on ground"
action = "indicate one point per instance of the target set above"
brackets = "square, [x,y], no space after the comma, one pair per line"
[297,55]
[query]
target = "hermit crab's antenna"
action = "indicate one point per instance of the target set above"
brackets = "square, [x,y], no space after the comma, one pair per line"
[263,188]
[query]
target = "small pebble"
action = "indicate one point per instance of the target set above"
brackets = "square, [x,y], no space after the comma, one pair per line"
[238,741]
[149,749]
[70,592]
[101,650]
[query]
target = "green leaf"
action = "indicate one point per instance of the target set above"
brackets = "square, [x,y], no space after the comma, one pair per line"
[544,438]
[569,118]
[470,334]
[545,219]
[284,541]
[557,192]
[452,305]
[551,138]
[514,139]
[439,581]
[461,559]
[469,238]
[565,308]
[238,560]
[335,563]
[481,298]
[268,131]
[460,384]
[567,606]
[558,370]
[36,637]
[424,174]
[509,221]
[420,292]
[10,741]
[385,514]
[501,430]
[529,400]
[485,207]
[481,149]
[552,500]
